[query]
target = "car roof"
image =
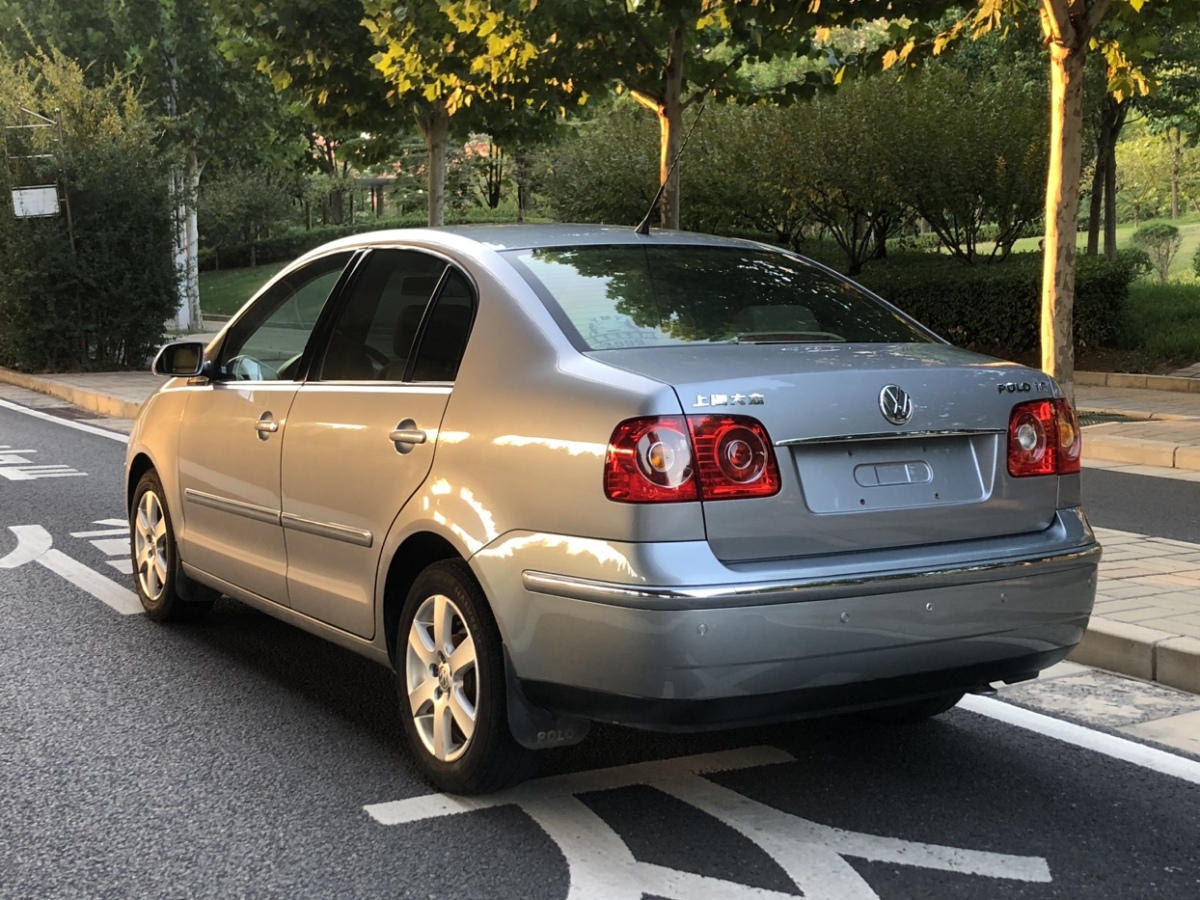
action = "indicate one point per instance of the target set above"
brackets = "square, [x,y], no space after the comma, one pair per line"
[522,237]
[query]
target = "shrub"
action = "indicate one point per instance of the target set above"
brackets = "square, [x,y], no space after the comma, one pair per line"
[1196,262]
[998,307]
[1161,242]
[101,302]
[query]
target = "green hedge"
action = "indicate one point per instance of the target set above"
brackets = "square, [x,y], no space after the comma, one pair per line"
[999,305]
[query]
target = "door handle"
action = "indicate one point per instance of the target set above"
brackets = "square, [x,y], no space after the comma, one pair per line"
[407,435]
[266,426]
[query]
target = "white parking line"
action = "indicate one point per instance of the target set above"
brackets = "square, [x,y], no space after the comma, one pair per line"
[34,546]
[1097,741]
[78,426]
[602,867]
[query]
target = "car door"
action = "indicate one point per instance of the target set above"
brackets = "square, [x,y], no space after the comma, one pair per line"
[364,428]
[232,434]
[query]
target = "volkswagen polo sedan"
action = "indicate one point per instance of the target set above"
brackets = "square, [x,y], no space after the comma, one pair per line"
[559,475]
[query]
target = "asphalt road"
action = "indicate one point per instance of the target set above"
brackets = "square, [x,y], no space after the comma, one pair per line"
[243,758]
[1164,507]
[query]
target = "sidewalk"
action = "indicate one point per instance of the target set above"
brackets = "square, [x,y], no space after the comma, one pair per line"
[1147,616]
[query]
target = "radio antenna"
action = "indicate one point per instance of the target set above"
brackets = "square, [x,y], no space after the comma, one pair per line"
[644,228]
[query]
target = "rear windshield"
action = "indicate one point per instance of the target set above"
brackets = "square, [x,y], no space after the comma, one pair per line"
[611,297]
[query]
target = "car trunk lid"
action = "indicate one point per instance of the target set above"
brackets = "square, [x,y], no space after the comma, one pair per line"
[853,479]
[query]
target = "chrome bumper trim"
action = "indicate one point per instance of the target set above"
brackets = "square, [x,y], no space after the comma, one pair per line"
[801,589]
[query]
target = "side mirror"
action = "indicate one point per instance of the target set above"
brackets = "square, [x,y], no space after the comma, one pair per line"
[183,359]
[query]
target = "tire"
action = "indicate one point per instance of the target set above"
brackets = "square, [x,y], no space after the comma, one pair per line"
[450,684]
[156,562]
[915,710]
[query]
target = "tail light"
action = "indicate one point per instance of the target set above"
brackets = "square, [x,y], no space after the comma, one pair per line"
[676,458]
[1043,439]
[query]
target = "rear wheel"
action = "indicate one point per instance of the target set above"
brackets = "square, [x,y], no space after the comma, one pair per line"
[451,687]
[152,542]
[915,710]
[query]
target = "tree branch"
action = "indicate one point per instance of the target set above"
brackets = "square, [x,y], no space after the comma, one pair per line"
[1096,15]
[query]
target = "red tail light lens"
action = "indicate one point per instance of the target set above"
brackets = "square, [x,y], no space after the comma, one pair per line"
[734,457]
[1043,439]
[1070,438]
[664,459]
[650,461]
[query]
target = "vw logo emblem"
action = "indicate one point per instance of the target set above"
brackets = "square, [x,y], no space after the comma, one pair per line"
[895,404]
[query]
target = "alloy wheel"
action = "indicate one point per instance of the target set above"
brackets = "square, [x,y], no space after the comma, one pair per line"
[442,678]
[150,546]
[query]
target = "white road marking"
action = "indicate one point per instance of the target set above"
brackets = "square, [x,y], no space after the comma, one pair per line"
[30,473]
[1080,736]
[34,545]
[112,546]
[78,426]
[602,867]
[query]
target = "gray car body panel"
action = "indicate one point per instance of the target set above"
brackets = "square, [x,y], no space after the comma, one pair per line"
[515,486]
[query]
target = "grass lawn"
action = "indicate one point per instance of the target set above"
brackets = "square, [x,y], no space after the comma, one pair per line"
[1181,265]
[223,293]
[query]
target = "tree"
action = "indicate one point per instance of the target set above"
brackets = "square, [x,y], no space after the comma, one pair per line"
[1143,167]
[1069,28]
[93,294]
[207,109]
[671,54]
[453,61]
[1161,242]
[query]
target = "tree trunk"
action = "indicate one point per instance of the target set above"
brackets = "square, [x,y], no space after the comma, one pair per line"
[522,172]
[192,177]
[1062,211]
[1110,185]
[434,122]
[175,186]
[1176,138]
[671,126]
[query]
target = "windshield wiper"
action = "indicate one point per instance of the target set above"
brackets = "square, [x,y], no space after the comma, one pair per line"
[787,337]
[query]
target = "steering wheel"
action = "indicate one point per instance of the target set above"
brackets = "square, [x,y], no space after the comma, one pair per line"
[247,368]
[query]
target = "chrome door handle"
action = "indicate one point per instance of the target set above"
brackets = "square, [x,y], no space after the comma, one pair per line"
[407,435]
[266,426]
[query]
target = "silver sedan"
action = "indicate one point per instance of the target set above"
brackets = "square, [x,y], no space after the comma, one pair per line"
[556,475]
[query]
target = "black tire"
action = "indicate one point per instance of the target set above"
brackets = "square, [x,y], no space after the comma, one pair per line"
[155,559]
[488,758]
[914,710]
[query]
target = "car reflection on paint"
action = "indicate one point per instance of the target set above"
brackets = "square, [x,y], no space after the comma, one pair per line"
[556,475]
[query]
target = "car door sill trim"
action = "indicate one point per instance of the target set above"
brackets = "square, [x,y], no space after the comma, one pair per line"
[236,507]
[343,533]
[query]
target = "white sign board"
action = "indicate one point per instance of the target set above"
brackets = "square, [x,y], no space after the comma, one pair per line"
[35,201]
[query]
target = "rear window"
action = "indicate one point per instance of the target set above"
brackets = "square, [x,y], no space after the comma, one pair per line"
[611,297]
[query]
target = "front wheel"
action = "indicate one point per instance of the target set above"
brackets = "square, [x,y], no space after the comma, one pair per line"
[451,687]
[152,542]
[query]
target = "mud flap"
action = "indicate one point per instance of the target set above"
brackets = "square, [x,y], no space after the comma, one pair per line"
[534,727]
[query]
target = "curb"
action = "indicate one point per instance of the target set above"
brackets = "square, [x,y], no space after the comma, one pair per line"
[1180,384]
[1140,452]
[92,401]
[1141,652]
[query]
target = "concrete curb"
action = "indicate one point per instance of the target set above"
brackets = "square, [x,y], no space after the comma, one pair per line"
[1144,653]
[1139,451]
[92,401]
[1178,383]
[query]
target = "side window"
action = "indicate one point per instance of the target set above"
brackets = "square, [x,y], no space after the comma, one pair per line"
[445,336]
[373,334]
[267,342]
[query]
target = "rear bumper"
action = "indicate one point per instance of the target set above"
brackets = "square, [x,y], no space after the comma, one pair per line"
[749,648]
